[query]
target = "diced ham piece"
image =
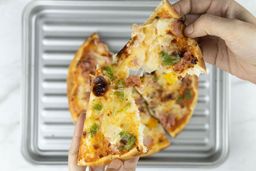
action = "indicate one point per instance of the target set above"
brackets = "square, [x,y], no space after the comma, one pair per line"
[133,81]
[168,121]
[177,28]
[88,65]
[147,141]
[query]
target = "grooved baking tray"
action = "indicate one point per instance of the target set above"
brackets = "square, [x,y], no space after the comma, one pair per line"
[52,31]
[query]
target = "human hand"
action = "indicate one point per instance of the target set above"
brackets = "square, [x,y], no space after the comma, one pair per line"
[226,33]
[115,165]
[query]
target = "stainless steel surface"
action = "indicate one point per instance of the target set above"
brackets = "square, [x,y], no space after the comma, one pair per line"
[52,31]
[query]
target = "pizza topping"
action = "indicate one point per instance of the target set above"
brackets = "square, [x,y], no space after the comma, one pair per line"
[185,97]
[152,123]
[133,81]
[119,94]
[169,59]
[168,120]
[87,65]
[97,106]
[167,97]
[100,86]
[187,61]
[120,84]
[94,129]
[187,94]
[186,81]
[127,141]
[108,70]
[148,141]
[171,78]
[177,28]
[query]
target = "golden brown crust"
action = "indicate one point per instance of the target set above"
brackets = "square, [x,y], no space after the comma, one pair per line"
[197,52]
[164,10]
[107,159]
[157,147]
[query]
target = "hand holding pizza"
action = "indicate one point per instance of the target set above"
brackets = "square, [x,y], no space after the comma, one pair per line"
[115,165]
[227,34]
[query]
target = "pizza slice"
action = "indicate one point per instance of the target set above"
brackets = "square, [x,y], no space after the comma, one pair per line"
[159,45]
[154,137]
[112,128]
[91,53]
[171,101]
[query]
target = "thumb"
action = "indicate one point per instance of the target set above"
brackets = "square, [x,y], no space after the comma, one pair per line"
[212,25]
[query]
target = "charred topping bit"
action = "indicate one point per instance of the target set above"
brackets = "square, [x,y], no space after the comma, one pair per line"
[127,141]
[84,134]
[167,97]
[94,129]
[96,146]
[97,106]
[100,86]
[108,70]
[188,61]
[169,59]
[194,60]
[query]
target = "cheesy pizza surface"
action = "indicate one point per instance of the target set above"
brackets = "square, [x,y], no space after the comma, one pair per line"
[159,45]
[171,101]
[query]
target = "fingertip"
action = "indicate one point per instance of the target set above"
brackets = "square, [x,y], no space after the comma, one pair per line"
[189,30]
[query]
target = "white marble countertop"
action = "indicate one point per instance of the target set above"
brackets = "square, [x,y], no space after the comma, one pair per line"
[243,102]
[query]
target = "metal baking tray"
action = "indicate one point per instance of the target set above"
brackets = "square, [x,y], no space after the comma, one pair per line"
[52,32]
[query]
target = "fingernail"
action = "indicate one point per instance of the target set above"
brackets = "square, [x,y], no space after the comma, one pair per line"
[189,30]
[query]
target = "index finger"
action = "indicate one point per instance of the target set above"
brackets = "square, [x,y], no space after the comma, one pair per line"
[130,165]
[74,147]
[228,8]
[216,7]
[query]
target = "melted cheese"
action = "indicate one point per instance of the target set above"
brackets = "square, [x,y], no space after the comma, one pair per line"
[111,132]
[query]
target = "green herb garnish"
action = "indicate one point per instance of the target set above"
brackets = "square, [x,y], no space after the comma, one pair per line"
[108,70]
[97,106]
[127,140]
[119,94]
[187,94]
[125,107]
[120,84]
[179,100]
[94,128]
[169,59]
